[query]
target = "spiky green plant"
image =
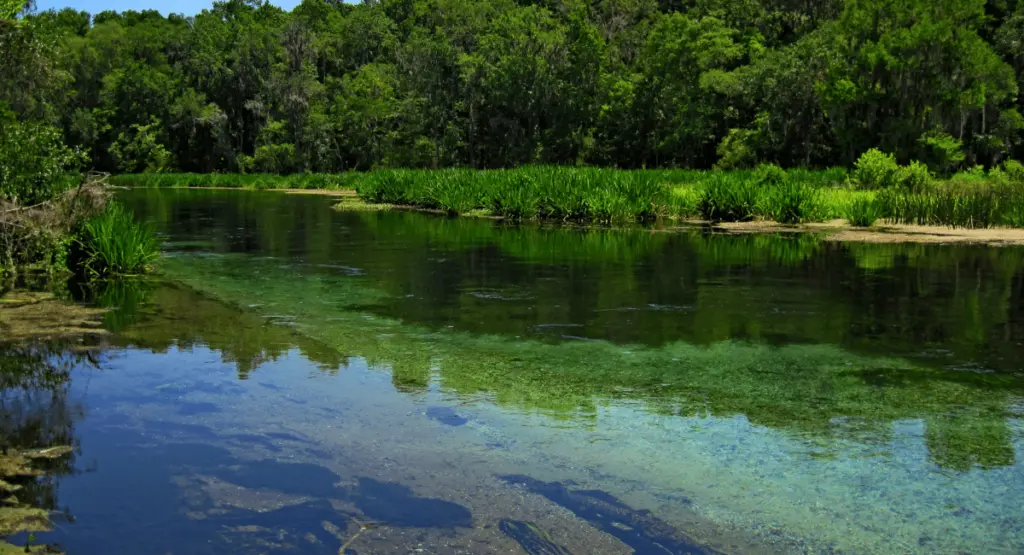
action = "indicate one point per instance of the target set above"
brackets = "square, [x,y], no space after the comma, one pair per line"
[114,244]
[790,202]
[515,195]
[863,212]
[729,198]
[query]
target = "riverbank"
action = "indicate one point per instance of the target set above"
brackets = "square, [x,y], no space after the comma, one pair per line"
[882,232]
[971,200]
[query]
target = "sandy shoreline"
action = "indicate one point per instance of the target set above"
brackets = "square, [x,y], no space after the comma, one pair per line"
[839,230]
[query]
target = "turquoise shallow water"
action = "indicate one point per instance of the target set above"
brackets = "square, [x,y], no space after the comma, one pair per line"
[308,380]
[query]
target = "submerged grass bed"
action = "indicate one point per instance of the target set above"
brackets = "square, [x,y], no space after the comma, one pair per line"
[612,196]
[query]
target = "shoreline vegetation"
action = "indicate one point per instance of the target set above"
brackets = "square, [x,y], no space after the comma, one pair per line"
[877,195]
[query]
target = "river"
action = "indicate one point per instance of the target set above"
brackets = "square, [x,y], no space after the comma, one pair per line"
[306,380]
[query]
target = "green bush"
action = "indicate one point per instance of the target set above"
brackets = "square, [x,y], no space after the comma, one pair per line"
[876,170]
[943,152]
[35,165]
[1013,170]
[914,178]
[770,175]
[113,243]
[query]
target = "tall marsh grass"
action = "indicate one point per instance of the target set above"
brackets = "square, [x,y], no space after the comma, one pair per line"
[114,244]
[956,204]
[877,189]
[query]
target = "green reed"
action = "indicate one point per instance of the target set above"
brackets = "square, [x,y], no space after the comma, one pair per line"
[864,212]
[114,244]
[606,195]
[729,198]
[790,202]
[975,206]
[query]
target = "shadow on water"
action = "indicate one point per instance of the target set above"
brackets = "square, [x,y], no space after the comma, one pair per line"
[640,530]
[189,496]
[532,539]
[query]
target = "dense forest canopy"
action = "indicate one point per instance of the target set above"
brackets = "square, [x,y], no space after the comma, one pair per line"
[329,86]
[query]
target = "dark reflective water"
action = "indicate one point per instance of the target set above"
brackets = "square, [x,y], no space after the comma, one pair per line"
[392,381]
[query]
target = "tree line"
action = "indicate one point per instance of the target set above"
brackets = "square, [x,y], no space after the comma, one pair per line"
[329,86]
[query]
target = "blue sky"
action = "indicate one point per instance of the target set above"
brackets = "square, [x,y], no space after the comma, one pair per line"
[187,7]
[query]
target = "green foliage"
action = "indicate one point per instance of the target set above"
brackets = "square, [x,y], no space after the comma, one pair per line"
[329,88]
[876,170]
[35,165]
[9,9]
[455,191]
[578,194]
[138,150]
[770,175]
[235,180]
[516,196]
[972,208]
[791,202]
[114,244]
[1013,170]
[914,177]
[863,212]
[729,199]
[942,152]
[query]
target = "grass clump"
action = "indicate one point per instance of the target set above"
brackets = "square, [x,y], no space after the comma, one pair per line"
[972,208]
[516,195]
[863,212]
[454,191]
[791,202]
[728,198]
[114,244]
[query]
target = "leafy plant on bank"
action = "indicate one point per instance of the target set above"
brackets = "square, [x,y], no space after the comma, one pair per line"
[114,244]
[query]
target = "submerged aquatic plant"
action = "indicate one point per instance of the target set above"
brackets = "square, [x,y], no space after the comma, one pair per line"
[113,243]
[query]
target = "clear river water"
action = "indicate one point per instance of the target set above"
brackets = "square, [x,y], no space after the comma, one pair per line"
[304,380]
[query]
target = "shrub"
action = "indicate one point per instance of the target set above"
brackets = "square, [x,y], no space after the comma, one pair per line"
[876,170]
[113,243]
[1013,170]
[942,151]
[770,175]
[35,166]
[914,178]
[139,150]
